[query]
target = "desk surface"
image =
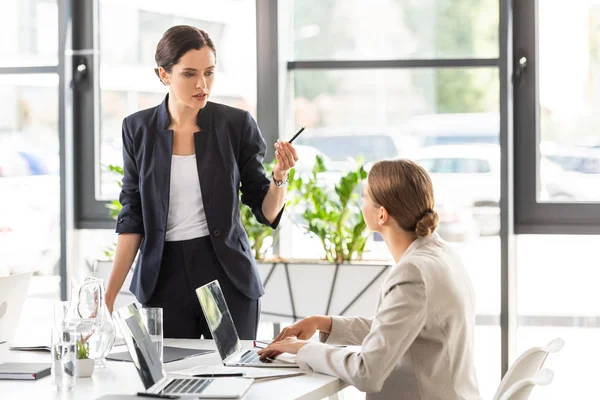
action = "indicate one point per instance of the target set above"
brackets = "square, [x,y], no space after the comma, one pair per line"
[122,378]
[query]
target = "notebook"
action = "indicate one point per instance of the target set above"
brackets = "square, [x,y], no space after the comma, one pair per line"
[24,371]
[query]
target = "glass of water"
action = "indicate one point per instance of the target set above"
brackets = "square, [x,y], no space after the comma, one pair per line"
[152,317]
[64,356]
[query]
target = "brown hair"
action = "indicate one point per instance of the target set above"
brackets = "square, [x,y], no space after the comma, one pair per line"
[177,41]
[405,190]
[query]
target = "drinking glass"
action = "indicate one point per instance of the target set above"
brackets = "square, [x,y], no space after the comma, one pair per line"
[63,357]
[152,317]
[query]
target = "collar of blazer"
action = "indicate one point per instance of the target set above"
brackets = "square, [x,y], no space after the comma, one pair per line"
[203,119]
[419,242]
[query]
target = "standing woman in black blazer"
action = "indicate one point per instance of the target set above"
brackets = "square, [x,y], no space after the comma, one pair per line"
[184,163]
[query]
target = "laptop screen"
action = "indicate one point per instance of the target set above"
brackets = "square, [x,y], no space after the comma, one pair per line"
[141,349]
[219,319]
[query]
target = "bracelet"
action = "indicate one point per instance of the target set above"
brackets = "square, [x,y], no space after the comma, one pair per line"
[282,182]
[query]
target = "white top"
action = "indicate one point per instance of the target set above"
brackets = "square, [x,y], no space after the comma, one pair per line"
[186,218]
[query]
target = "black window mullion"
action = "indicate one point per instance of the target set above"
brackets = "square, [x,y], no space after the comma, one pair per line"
[89,212]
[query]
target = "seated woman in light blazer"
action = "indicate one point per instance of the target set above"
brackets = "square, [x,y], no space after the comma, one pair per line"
[419,343]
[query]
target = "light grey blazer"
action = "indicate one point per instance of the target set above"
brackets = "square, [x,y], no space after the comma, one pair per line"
[419,343]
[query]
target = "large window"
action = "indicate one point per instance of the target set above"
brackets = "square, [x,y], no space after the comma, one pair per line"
[379,80]
[557,123]
[569,101]
[395,29]
[558,297]
[557,134]
[30,220]
[127,79]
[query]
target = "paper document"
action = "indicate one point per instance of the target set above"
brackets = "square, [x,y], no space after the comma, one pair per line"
[248,372]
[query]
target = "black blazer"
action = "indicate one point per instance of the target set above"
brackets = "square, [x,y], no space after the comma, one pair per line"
[236,150]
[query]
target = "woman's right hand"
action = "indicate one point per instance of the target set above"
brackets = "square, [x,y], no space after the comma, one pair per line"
[303,330]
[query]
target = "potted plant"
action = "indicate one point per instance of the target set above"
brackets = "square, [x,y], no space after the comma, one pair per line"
[84,364]
[334,216]
[339,283]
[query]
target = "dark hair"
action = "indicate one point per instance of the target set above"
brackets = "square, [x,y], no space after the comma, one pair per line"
[177,41]
[404,189]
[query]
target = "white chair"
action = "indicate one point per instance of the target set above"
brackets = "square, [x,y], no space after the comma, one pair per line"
[527,365]
[522,389]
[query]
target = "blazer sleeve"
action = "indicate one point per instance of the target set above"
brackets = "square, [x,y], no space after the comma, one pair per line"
[254,182]
[350,331]
[395,326]
[130,218]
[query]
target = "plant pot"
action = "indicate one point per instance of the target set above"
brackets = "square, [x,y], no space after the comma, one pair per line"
[84,367]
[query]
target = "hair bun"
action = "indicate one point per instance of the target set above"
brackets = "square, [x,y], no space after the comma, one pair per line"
[428,223]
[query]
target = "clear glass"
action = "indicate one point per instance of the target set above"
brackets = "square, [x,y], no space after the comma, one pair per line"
[127,79]
[394,29]
[32,27]
[30,191]
[89,315]
[152,318]
[446,120]
[569,117]
[557,296]
[63,357]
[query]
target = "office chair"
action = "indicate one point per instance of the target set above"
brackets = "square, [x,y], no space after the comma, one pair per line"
[527,365]
[521,390]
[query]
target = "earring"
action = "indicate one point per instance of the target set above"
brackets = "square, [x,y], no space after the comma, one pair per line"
[167,82]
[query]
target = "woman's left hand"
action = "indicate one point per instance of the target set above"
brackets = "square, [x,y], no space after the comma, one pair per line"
[286,159]
[290,345]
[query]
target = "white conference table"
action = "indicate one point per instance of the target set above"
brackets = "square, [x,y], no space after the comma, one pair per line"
[122,378]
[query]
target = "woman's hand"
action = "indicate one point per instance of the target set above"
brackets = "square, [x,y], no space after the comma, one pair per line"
[290,345]
[301,330]
[286,159]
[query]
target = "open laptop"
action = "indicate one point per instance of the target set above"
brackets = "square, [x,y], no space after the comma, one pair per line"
[147,362]
[224,333]
[13,291]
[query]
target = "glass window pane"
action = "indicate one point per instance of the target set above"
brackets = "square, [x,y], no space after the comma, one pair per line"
[32,26]
[394,29]
[447,120]
[569,101]
[127,79]
[30,190]
[553,303]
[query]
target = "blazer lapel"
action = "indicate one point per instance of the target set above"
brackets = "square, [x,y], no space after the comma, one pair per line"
[206,163]
[163,150]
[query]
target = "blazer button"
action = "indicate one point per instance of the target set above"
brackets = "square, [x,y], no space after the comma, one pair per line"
[216,233]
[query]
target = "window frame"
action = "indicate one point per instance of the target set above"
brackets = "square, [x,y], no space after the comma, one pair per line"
[531,216]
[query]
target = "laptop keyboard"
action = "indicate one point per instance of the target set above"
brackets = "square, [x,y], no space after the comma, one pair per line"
[186,386]
[251,357]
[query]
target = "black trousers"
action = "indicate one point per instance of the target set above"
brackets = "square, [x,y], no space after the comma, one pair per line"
[187,265]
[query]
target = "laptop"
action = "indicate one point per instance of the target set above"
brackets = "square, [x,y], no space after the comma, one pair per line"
[147,362]
[224,333]
[13,291]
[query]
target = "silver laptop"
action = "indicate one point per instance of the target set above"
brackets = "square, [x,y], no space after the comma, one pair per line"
[13,291]
[147,362]
[224,333]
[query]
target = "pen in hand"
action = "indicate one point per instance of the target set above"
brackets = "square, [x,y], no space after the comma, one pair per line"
[297,134]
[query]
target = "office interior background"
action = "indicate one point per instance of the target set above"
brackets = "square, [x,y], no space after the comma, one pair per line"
[498,100]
